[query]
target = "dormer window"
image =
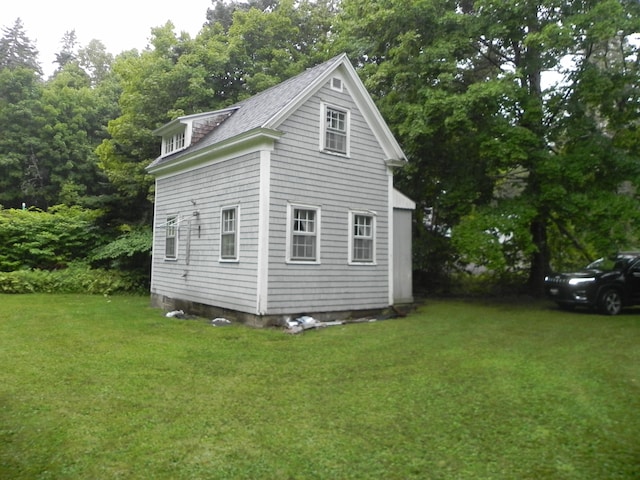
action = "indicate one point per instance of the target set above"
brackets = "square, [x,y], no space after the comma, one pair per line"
[173,142]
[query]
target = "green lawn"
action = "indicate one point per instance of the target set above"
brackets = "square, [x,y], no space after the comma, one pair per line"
[103,388]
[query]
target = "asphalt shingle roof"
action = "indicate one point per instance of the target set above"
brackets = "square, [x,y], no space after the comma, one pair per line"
[256,111]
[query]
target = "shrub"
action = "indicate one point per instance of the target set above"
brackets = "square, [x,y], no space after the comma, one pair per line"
[130,252]
[77,278]
[33,239]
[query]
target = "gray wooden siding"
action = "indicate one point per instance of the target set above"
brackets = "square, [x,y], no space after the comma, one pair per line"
[302,174]
[229,285]
[402,257]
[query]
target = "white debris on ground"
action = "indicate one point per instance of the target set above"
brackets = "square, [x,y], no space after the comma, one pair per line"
[306,322]
[220,322]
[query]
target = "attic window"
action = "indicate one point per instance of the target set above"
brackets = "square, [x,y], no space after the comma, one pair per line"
[172,143]
[336,84]
[335,131]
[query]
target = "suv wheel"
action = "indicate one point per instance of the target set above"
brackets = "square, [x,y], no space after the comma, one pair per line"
[610,302]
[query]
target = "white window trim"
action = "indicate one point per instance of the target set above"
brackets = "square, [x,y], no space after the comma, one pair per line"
[290,209]
[235,259]
[173,221]
[323,129]
[351,236]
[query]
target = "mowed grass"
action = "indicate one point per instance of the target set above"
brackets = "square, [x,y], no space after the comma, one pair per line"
[103,388]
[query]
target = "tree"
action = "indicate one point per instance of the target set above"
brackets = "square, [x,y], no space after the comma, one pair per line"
[96,61]
[21,123]
[462,84]
[17,50]
[69,51]
[219,67]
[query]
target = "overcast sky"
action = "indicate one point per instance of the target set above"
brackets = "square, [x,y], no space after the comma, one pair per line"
[120,24]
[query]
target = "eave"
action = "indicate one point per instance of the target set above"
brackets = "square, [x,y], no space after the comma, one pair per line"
[253,140]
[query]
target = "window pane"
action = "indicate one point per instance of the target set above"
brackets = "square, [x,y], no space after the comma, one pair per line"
[229,221]
[304,221]
[228,246]
[363,250]
[303,248]
[180,140]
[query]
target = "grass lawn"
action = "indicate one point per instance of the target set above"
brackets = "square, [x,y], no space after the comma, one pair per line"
[104,388]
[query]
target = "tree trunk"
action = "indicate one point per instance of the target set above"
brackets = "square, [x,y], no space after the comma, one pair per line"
[540,258]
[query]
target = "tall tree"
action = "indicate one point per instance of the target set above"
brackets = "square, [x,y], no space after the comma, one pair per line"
[96,61]
[21,123]
[69,50]
[17,50]
[220,66]
[463,84]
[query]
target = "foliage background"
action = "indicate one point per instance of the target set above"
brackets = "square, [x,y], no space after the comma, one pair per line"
[520,121]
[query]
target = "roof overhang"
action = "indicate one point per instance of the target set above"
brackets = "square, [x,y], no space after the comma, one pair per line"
[251,141]
[188,119]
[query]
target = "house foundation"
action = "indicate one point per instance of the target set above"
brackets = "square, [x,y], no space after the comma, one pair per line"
[260,321]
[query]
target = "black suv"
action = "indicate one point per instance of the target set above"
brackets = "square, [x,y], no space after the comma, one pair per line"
[607,284]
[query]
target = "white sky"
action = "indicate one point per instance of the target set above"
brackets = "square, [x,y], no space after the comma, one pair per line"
[120,24]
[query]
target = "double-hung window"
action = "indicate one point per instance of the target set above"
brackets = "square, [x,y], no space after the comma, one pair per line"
[362,237]
[303,234]
[335,130]
[171,238]
[229,234]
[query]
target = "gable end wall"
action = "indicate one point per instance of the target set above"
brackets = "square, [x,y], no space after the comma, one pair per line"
[302,174]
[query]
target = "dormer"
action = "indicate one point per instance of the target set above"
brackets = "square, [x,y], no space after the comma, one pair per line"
[183,132]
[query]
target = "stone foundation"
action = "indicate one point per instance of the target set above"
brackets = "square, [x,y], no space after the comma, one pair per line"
[211,312]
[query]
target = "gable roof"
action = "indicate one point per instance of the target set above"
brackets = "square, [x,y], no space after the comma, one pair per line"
[267,110]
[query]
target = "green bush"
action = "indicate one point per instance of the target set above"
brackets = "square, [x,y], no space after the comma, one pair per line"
[77,278]
[33,239]
[130,252]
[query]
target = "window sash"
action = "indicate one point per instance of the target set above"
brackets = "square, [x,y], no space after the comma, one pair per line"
[228,234]
[363,238]
[335,139]
[304,235]
[171,237]
[180,140]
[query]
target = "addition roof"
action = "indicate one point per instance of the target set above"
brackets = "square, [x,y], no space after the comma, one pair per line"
[266,110]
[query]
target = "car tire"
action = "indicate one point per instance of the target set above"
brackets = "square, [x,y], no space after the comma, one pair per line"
[610,302]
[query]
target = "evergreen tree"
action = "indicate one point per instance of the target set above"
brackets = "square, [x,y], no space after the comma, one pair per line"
[69,51]
[17,50]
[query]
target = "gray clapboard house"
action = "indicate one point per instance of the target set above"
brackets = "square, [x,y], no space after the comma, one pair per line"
[282,204]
